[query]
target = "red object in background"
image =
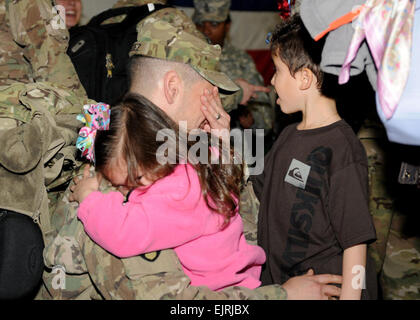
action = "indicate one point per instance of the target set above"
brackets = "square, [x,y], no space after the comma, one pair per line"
[264,63]
[285,8]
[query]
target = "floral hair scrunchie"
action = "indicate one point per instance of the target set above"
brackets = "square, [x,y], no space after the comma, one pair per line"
[95,117]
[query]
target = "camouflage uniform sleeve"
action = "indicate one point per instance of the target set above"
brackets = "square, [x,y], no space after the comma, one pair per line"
[13,66]
[43,38]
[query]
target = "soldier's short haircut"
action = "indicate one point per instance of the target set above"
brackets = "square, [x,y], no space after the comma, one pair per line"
[293,44]
[148,71]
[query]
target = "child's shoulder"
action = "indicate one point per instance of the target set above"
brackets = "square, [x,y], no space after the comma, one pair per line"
[346,148]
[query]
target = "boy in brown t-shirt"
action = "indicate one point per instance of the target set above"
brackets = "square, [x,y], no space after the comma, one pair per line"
[314,190]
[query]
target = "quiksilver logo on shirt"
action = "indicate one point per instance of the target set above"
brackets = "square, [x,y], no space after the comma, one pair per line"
[297,174]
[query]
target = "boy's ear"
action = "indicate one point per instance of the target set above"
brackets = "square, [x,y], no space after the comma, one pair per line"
[306,77]
[171,86]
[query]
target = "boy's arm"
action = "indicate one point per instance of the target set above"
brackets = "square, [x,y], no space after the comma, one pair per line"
[354,266]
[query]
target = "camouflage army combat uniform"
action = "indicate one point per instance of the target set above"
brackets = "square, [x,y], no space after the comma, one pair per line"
[396,255]
[33,45]
[40,94]
[77,268]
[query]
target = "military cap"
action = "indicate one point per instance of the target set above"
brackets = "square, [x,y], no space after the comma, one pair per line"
[211,10]
[160,39]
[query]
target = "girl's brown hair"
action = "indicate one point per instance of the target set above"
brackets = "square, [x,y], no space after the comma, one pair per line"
[132,137]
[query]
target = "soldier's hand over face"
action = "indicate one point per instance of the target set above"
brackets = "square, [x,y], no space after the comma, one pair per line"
[218,119]
[312,287]
[249,90]
[82,187]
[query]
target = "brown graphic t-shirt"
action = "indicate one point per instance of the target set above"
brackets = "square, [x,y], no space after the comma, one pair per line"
[314,203]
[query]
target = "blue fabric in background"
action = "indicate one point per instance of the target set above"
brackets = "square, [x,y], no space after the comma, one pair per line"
[404,126]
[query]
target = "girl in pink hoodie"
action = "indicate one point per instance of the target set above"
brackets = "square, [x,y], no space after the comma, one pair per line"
[181,204]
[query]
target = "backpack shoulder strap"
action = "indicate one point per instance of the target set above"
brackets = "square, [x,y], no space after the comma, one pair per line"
[137,13]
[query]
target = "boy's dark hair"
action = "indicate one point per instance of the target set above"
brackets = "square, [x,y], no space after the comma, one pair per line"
[293,44]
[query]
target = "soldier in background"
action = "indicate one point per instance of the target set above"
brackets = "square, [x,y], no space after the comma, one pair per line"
[213,19]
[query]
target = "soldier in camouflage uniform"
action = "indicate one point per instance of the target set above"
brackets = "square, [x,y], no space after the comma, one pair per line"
[40,94]
[29,31]
[83,270]
[211,17]
[396,255]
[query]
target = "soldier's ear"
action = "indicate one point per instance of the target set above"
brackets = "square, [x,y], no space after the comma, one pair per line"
[171,86]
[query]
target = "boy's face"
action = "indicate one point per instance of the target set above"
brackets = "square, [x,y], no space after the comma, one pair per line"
[287,87]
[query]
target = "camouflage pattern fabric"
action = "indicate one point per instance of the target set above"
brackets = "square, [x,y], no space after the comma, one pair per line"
[373,138]
[396,255]
[13,66]
[400,278]
[38,129]
[248,209]
[237,64]
[35,44]
[211,10]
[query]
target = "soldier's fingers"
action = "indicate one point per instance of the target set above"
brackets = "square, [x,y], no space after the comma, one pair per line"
[331,291]
[209,107]
[261,89]
[214,99]
[210,115]
[217,99]
[328,278]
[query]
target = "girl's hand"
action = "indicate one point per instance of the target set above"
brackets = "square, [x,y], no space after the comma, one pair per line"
[84,186]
